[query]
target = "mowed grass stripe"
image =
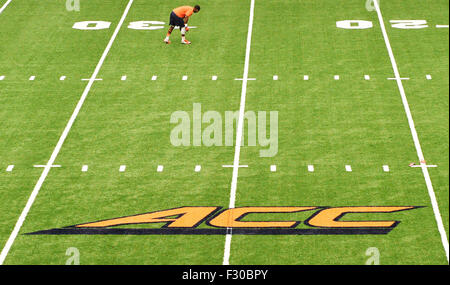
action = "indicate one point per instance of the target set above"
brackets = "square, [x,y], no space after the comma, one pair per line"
[65,133]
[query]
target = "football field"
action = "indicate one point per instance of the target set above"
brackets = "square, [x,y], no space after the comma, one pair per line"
[291,132]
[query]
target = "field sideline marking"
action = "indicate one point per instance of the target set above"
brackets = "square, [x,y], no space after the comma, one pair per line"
[226,253]
[4,6]
[426,175]
[55,153]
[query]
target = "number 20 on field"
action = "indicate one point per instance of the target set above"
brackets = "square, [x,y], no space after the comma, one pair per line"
[399,24]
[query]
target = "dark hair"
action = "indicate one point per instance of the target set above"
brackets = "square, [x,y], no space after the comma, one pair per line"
[197,7]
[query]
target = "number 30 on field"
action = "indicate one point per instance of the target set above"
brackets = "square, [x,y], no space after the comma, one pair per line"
[399,24]
[138,25]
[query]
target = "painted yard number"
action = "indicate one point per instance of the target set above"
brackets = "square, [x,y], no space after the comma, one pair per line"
[138,25]
[399,24]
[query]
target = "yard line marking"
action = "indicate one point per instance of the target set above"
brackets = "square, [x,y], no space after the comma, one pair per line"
[154,77]
[61,140]
[62,78]
[198,168]
[124,77]
[214,77]
[10,168]
[386,168]
[4,6]
[336,77]
[184,77]
[160,168]
[311,168]
[442,26]
[423,165]
[305,77]
[2,77]
[348,168]
[399,78]
[428,76]
[437,214]
[366,77]
[275,77]
[273,168]
[32,77]
[84,168]
[226,254]
[122,168]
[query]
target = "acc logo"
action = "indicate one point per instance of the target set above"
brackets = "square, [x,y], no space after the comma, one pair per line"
[185,221]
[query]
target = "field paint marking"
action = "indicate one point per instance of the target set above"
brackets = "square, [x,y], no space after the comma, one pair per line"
[437,214]
[91,79]
[47,166]
[230,166]
[124,77]
[55,153]
[245,79]
[305,77]
[226,253]
[348,168]
[214,77]
[273,168]
[311,168]
[4,6]
[154,77]
[423,165]
[198,168]
[122,168]
[400,78]
[442,26]
[10,168]
[275,77]
[2,77]
[386,168]
[84,168]
[32,77]
[428,76]
[62,78]
[366,77]
[336,77]
[160,168]
[184,77]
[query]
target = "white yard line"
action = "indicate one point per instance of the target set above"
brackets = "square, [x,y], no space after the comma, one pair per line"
[4,6]
[226,254]
[415,137]
[55,153]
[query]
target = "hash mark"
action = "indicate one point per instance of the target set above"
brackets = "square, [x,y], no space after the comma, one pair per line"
[122,168]
[10,168]
[348,168]
[160,168]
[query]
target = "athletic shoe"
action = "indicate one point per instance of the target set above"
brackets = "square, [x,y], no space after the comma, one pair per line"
[166,41]
[186,42]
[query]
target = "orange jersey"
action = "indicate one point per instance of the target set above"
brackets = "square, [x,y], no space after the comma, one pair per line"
[184,11]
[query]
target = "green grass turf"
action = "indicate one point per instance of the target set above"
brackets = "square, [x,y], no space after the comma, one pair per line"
[322,122]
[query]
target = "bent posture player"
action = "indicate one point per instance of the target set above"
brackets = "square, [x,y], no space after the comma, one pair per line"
[179,18]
